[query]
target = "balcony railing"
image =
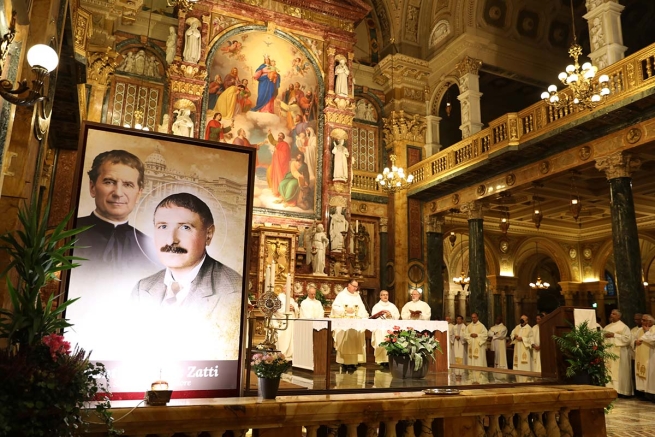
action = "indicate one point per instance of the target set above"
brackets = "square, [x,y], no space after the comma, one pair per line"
[364,182]
[532,410]
[628,78]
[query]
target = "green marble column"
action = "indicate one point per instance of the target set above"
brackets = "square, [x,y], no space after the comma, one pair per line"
[625,237]
[435,269]
[478,301]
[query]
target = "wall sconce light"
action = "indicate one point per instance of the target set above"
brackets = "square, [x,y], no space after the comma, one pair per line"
[43,59]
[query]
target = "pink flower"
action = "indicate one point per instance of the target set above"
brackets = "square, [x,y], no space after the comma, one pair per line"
[390,332]
[57,345]
[396,328]
[410,329]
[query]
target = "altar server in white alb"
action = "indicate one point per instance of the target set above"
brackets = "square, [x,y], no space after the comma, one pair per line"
[498,335]
[618,339]
[388,311]
[350,343]
[458,344]
[644,346]
[416,309]
[536,345]
[285,338]
[311,308]
[475,335]
[521,338]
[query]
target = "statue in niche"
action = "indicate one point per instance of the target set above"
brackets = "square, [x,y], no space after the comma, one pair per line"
[140,62]
[338,224]
[341,72]
[171,45]
[370,113]
[127,64]
[360,110]
[192,43]
[341,154]
[183,125]
[163,127]
[316,254]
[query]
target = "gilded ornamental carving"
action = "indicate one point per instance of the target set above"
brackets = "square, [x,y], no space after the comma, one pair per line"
[101,66]
[401,126]
[618,165]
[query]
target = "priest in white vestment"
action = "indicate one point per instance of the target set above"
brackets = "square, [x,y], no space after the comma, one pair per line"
[497,335]
[387,311]
[618,339]
[458,344]
[536,346]
[633,333]
[416,309]
[350,343]
[649,338]
[285,338]
[521,337]
[475,336]
[643,351]
[311,308]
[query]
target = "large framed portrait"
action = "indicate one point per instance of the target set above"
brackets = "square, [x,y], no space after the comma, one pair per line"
[161,285]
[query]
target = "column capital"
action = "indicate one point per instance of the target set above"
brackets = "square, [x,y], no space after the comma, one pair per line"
[618,165]
[384,225]
[435,224]
[100,67]
[592,5]
[400,126]
[474,210]
[468,65]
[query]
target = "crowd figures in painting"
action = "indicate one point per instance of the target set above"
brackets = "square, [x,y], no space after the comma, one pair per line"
[165,252]
[262,93]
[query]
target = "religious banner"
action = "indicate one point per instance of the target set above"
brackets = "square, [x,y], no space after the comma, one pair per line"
[160,284]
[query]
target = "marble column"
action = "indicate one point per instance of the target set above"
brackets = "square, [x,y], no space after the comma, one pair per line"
[435,266]
[469,97]
[384,252]
[625,238]
[432,141]
[463,294]
[606,38]
[478,301]
[450,304]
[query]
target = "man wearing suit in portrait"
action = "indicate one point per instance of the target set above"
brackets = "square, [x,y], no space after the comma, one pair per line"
[196,295]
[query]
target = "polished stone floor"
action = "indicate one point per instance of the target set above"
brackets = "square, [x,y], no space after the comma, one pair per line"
[631,418]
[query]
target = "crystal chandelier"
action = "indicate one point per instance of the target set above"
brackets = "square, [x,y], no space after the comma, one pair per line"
[586,94]
[394,179]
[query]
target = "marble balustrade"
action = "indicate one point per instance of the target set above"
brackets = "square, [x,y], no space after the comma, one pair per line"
[550,411]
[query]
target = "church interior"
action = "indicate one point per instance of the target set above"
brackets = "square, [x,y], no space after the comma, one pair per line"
[506,197]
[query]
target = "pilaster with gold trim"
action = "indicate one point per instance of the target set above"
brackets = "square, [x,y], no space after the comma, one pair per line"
[469,95]
[99,72]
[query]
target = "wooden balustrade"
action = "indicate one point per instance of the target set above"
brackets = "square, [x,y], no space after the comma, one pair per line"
[627,79]
[530,410]
[364,181]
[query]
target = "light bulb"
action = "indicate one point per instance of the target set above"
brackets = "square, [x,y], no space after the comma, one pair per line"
[390,175]
[146,129]
[570,68]
[545,95]
[554,98]
[127,125]
[552,89]
[572,78]
[574,201]
[378,177]
[385,171]
[546,284]
[562,76]
[576,101]
[589,74]
[394,168]
[383,182]
[536,211]
[595,98]
[603,78]
[398,184]
[586,66]
[41,55]
[410,178]
[604,92]
[138,126]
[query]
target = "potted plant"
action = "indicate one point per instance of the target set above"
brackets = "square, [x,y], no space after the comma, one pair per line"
[269,367]
[410,352]
[585,353]
[45,386]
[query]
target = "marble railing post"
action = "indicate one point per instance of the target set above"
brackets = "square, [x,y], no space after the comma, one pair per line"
[604,21]
[478,301]
[384,252]
[435,266]
[390,428]
[625,237]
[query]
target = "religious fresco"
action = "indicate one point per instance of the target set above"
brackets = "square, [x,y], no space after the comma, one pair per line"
[264,92]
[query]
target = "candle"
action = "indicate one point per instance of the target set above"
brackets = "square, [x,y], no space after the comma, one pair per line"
[356,226]
[288,294]
[267,278]
[273,274]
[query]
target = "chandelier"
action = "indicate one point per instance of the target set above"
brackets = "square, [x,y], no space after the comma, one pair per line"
[394,179]
[539,284]
[586,94]
[462,280]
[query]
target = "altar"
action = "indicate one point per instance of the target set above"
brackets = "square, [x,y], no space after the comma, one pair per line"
[312,346]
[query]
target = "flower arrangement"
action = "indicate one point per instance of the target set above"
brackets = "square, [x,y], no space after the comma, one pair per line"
[586,352]
[44,385]
[269,364]
[409,342]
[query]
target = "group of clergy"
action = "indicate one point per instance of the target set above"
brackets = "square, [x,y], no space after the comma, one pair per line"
[469,343]
[642,351]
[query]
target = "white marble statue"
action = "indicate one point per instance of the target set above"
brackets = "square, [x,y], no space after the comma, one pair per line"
[316,254]
[338,224]
[171,45]
[360,110]
[183,125]
[341,72]
[192,43]
[340,152]
[163,127]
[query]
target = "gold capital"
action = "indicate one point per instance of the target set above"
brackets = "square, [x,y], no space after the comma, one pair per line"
[468,65]
[618,165]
